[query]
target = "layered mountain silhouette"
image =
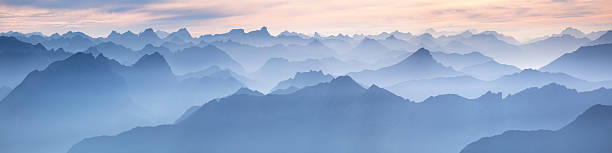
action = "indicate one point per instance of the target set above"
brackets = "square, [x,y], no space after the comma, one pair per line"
[247,91]
[69,41]
[135,41]
[71,99]
[18,58]
[588,62]
[342,116]
[460,61]
[163,92]
[194,59]
[180,36]
[543,51]
[394,43]
[472,87]
[368,50]
[489,70]
[114,51]
[419,65]
[253,57]
[589,132]
[303,79]
[258,38]
[606,38]
[278,69]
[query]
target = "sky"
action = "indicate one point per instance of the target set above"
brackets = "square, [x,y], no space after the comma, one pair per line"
[523,19]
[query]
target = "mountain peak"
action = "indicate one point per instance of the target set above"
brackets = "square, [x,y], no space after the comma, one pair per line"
[154,60]
[261,32]
[344,82]
[129,33]
[182,33]
[183,30]
[596,116]
[422,52]
[606,38]
[148,30]
[391,37]
[422,55]
[114,34]
[573,31]
[247,91]
[148,33]
[491,97]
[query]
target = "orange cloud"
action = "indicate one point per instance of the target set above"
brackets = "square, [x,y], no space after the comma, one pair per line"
[521,18]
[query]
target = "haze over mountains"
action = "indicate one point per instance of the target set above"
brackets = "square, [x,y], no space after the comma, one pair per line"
[166,92]
[590,132]
[342,116]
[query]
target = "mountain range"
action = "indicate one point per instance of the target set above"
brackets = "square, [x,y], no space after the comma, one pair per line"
[419,65]
[342,116]
[468,86]
[18,58]
[436,92]
[588,62]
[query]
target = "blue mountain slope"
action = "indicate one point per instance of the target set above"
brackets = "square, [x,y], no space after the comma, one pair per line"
[419,65]
[342,116]
[590,132]
[18,58]
[72,99]
[302,79]
[589,62]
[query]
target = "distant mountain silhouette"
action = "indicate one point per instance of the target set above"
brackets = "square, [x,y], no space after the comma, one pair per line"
[151,84]
[135,41]
[69,41]
[200,89]
[368,50]
[502,37]
[606,38]
[278,69]
[394,43]
[303,79]
[71,99]
[460,61]
[490,45]
[117,52]
[489,70]
[194,59]
[18,58]
[256,38]
[180,36]
[542,52]
[421,89]
[254,57]
[419,65]
[589,62]
[573,32]
[247,91]
[455,60]
[471,87]
[590,132]
[342,116]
